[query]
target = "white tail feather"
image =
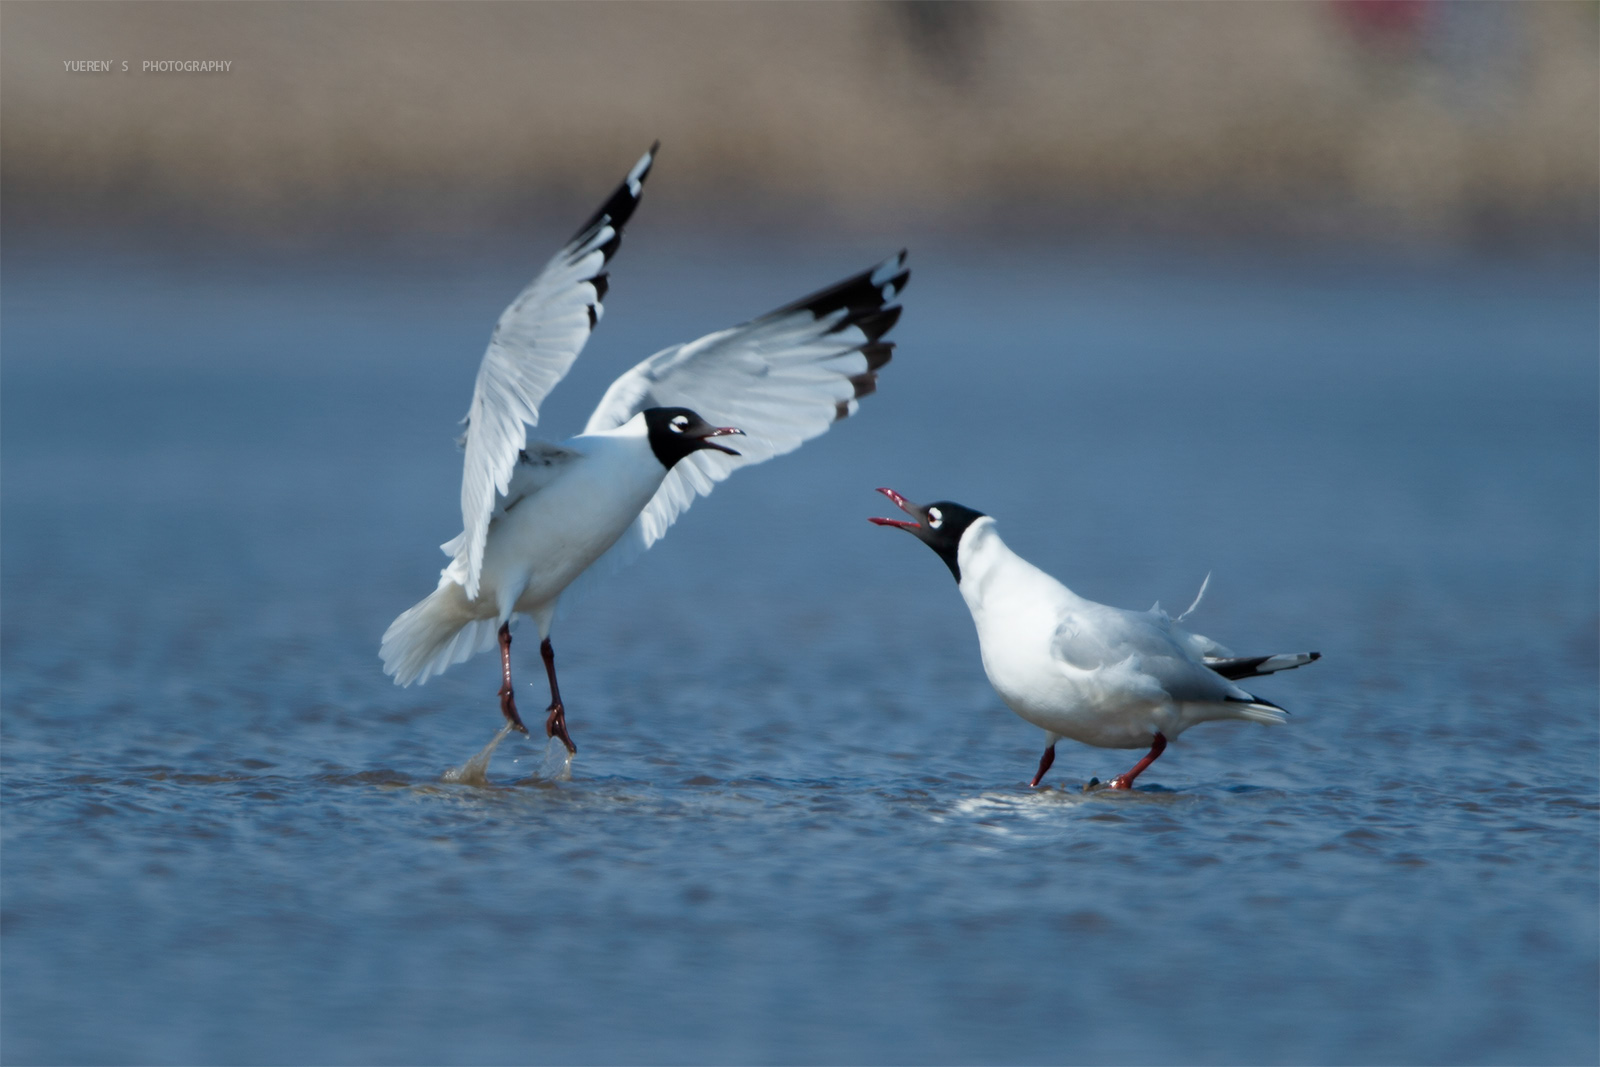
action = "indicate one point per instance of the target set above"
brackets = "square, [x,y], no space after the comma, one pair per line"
[1261,713]
[436,632]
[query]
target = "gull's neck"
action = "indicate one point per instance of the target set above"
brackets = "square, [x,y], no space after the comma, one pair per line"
[634,427]
[630,437]
[991,573]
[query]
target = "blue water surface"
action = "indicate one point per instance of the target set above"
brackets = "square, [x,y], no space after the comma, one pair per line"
[798,828]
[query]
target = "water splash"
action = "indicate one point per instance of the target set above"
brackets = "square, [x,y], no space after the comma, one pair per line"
[476,770]
[555,763]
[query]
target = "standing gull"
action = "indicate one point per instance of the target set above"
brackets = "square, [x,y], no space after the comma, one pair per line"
[1081,670]
[536,515]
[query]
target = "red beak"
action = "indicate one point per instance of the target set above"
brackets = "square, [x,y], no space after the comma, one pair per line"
[721,431]
[904,505]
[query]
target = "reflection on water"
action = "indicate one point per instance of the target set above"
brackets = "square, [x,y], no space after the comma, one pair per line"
[798,828]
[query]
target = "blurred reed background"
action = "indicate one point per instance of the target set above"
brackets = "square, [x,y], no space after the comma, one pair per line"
[1453,123]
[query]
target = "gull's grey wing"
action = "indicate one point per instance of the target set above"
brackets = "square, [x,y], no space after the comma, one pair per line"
[1097,637]
[1199,645]
[783,379]
[533,346]
[1094,635]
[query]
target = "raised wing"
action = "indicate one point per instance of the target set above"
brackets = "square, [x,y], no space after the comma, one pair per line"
[533,346]
[783,379]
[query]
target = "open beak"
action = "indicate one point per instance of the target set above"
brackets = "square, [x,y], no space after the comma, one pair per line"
[721,431]
[904,505]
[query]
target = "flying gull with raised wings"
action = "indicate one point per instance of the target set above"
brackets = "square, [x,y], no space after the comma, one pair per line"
[535,515]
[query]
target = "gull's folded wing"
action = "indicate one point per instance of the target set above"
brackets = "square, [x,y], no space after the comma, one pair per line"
[533,346]
[783,379]
[1139,648]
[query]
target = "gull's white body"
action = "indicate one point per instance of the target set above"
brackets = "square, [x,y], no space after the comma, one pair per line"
[582,498]
[565,507]
[1077,669]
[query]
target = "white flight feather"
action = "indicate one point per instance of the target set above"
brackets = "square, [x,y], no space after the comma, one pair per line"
[533,346]
[780,379]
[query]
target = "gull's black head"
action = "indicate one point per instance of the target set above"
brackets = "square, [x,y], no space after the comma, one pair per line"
[676,432]
[939,526]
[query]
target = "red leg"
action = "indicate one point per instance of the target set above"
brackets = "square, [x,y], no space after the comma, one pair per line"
[555,724]
[1125,781]
[1045,761]
[508,698]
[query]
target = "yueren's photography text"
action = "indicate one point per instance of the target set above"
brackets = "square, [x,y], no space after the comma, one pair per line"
[147,66]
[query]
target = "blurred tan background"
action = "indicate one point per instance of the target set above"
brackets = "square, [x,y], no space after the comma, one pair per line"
[1428,121]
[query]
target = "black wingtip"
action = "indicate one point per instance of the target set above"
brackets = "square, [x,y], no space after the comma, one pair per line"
[619,207]
[867,300]
[1236,667]
[869,291]
[878,353]
[875,324]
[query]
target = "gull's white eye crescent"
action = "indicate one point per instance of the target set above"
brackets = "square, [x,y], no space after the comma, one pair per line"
[679,422]
[935,520]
